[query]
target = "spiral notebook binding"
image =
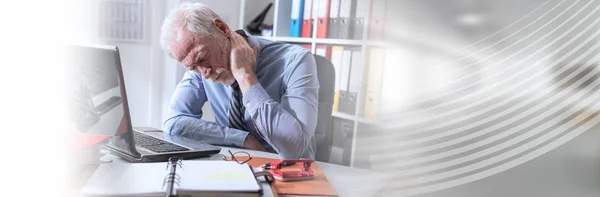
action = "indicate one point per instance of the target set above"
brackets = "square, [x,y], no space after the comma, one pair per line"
[172,179]
[174,161]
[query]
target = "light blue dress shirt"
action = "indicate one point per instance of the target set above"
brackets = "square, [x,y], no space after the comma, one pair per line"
[283,105]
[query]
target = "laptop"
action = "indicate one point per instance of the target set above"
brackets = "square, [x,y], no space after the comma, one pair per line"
[99,106]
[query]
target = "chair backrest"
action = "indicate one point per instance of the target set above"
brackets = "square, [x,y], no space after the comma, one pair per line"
[323,132]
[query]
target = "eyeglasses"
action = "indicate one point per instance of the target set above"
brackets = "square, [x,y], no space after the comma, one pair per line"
[237,157]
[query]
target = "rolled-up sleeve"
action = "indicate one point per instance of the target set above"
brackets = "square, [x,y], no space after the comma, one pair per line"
[288,126]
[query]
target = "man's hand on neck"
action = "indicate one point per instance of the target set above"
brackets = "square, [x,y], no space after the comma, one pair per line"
[243,61]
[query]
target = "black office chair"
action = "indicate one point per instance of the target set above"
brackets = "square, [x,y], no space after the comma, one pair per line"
[323,132]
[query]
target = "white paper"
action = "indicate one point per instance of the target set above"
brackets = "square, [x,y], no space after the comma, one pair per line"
[217,176]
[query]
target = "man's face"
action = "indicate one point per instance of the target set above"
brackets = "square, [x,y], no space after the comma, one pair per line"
[208,56]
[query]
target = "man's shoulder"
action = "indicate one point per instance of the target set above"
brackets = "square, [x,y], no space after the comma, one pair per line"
[283,58]
[272,49]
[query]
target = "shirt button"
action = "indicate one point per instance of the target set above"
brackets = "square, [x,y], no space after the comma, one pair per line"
[248,104]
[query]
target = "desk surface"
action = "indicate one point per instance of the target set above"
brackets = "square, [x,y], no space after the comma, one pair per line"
[347,181]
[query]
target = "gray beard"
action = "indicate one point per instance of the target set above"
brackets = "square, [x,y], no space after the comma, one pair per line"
[229,79]
[228,82]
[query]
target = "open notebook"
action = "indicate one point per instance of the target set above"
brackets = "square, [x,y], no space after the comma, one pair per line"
[209,178]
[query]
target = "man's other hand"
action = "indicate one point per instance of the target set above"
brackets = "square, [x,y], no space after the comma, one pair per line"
[252,143]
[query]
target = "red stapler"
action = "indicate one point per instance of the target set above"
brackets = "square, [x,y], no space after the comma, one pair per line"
[304,172]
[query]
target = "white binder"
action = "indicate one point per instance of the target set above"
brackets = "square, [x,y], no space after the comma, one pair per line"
[356,70]
[345,82]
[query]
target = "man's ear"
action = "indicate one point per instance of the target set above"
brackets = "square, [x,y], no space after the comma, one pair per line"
[221,26]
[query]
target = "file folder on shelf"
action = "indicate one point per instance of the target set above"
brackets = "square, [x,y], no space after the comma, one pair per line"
[296,18]
[334,21]
[373,84]
[347,13]
[356,70]
[377,20]
[323,18]
[336,59]
[362,10]
[344,106]
[323,50]
[307,19]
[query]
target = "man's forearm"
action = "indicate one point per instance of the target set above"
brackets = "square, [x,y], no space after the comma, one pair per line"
[198,129]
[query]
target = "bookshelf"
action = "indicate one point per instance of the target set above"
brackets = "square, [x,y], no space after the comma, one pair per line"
[331,41]
[281,32]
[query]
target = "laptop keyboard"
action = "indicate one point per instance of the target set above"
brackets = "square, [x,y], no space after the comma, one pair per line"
[155,144]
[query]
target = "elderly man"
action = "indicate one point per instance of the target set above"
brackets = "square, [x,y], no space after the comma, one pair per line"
[263,94]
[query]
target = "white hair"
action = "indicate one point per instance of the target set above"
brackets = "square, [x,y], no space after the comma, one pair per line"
[195,16]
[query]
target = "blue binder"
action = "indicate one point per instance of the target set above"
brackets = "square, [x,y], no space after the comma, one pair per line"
[296,18]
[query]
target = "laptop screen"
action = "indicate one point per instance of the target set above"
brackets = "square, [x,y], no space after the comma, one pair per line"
[97,100]
[96,103]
